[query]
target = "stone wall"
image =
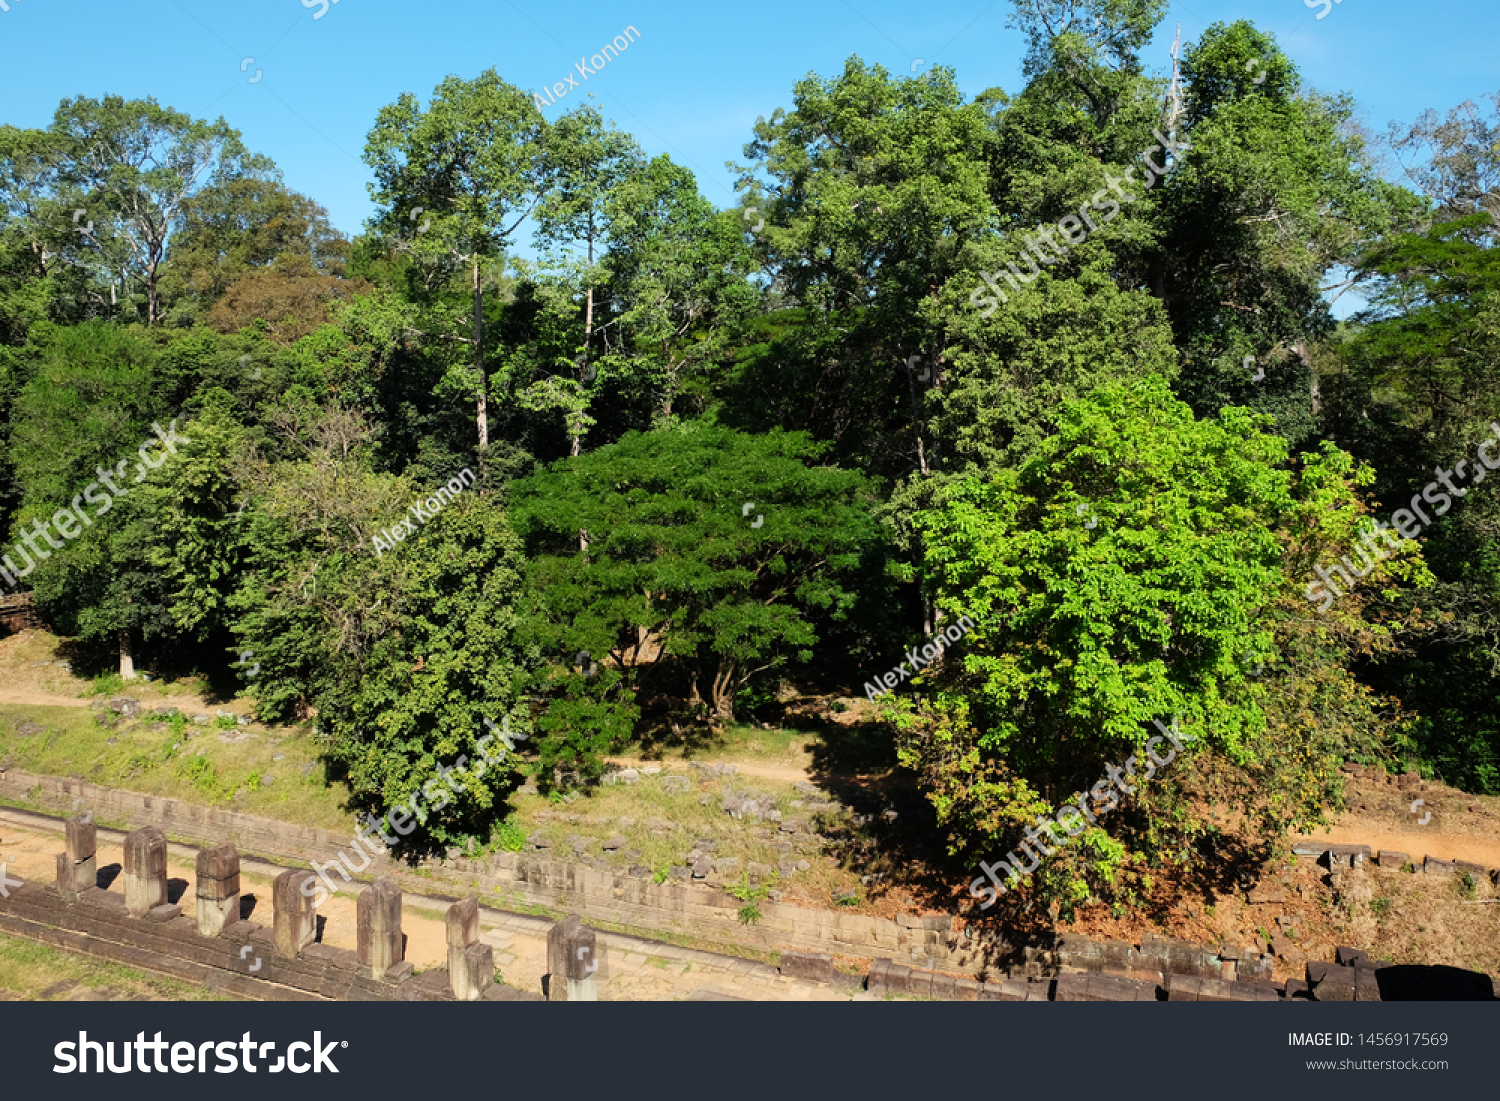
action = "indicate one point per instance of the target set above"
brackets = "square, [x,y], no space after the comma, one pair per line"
[596,893]
[619,897]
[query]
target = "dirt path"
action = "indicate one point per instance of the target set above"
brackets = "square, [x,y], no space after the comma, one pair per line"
[38,699]
[789,774]
[1415,843]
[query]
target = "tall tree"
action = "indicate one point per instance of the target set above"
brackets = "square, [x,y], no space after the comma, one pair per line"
[455,180]
[136,166]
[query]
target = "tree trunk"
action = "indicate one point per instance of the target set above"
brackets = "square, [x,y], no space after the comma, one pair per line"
[723,694]
[482,415]
[127,659]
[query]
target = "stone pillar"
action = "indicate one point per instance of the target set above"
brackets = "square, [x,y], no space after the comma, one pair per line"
[218,888]
[145,870]
[296,919]
[471,965]
[571,962]
[78,868]
[379,919]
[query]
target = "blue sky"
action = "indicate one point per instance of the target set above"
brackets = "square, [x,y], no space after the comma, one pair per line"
[692,86]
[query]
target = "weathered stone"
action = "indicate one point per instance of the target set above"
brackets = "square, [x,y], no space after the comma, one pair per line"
[1255,967]
[1350,957]
[378,917]
[217,888]
[1391,859]
[1266,894]
[296,923]
[82,838]
[571,962]
[614,843]
[807,966]
[463,923]
[1432,866]
[145,870]
[1288,951]
[628,776]
[475,972]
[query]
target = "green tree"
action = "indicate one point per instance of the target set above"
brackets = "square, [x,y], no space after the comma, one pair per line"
[474,163]
[84,440]
[135,166]
[1138,568]
[710,556]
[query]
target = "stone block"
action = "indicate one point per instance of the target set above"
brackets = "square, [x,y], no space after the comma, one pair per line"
[1255,967]
[1182,988]
[1389,858]
[1007,990]
[898,978]
[919,984]
[218,872]
[378,927]
[571,961]
[463,923]
[296,923]
[475,972]
[82,838]
[1366,985]
[1432,866]
[216,888]
[807,966]
[1295,988]
[943,986]
[966,989]
[1285,949]
[1350,957]
[145,870]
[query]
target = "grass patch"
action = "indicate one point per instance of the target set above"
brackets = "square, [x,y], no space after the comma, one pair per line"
[28,968]
[177,760]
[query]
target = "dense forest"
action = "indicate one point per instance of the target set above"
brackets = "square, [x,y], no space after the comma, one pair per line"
[1025,417]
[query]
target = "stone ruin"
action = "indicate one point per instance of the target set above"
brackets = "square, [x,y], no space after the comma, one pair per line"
[223,951]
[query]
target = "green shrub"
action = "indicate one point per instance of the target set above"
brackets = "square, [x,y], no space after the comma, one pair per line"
[510,836]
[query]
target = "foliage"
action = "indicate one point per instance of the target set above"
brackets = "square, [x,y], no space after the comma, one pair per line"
[1121,576]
